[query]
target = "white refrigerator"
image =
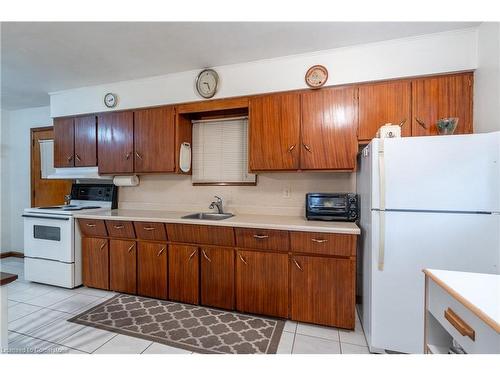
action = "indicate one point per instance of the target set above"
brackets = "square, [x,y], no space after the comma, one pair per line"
[425,202]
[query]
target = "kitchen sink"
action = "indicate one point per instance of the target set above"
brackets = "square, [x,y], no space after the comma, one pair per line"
[208,216]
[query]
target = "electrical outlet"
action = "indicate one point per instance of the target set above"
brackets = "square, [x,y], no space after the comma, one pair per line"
[287,191]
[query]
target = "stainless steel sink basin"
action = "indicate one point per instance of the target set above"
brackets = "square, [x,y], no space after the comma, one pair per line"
[208,216]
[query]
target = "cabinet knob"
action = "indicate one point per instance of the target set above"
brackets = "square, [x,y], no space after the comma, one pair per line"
[307,147]
[103,245]
[402,123]
[242,259]
[77,157]
[297,264]
[138,155]
[421,123]
[119,226]
[91,225]
[205,255]
[127,155]
[149,228]
[260,236]
[192,255]
[70,157]
[290,149]
[131,248]
[317,240]
[161,251]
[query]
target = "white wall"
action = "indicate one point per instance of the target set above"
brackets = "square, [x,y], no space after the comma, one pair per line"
[487,79]
[427,54]
[15,163]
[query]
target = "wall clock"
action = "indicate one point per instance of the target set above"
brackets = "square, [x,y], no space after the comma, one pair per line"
[316,76]
[110,100]
[207,83]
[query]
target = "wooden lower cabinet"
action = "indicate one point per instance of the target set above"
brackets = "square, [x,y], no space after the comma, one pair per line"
[95,262]
[183,273]
[262,283]
[123,266]
[152,270]
[323,290]
[217,277]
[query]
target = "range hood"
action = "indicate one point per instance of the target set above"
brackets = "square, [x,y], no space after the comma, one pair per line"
[75,173]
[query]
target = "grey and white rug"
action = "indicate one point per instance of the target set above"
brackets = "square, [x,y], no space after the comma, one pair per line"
[195,328]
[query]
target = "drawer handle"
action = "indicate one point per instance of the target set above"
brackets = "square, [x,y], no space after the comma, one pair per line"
[307,147]
[91,225]
[102,246]
[297,264]
[290,149]
[421,123]
[77,157]
[149,228]
[119,226]
[242,259]
[463,328]
[317,240]
[206,256]
[260,236]
[161,251]
[192,255]
[131,248]
[138,155]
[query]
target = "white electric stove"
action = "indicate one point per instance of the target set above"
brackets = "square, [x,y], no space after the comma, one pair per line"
[52,240]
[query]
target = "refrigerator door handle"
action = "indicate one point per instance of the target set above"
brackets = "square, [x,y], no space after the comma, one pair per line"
[381,168]
[381,241]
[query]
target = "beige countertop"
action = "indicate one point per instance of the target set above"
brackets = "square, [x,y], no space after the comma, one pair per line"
[293,223]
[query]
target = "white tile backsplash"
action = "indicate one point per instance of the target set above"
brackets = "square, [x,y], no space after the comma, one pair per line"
[176,193]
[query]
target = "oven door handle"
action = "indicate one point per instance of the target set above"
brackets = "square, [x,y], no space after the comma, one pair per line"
[46,217]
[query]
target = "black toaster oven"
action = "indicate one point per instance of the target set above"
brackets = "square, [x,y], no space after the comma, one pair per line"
[332,206]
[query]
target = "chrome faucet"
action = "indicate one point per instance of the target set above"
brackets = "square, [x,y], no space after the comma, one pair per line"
[218,204]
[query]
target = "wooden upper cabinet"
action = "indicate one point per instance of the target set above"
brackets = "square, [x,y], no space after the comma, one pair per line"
[154,140]
[382,103]
[116,142]
[86,141]
[329,125]
[434,98]
[64,143]
[274,132]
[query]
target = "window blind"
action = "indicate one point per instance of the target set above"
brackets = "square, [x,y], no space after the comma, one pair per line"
[46,157]
[220,151]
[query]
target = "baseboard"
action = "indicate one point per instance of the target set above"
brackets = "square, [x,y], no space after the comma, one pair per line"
[14,254]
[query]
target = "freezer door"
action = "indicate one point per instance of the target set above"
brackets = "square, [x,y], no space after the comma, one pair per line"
[444,173]
[414,241]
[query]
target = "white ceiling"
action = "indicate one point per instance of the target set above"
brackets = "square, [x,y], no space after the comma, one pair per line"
[37,58]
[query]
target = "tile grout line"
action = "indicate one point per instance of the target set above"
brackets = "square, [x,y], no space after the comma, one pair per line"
[112,337]
[152,342]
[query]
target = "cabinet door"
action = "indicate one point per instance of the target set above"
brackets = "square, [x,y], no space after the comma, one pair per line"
[329,125]
[85,141]
[64,143]
[322,290]
[95,262]
[183,274]
[123,266]
[217,277]
[274,132]
[154,140]
[152,270]
[382,103]
[262,283]
[434,98]
[115,143]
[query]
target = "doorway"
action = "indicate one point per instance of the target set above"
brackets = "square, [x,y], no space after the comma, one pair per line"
[44,192]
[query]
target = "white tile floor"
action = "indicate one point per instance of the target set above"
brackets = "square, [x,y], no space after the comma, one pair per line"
[38,324]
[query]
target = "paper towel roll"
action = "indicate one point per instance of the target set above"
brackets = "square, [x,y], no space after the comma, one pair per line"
[126,180]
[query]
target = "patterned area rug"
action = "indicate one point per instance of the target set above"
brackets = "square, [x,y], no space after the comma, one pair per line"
[195,328]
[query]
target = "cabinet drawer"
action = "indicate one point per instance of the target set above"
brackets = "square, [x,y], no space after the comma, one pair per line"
[473,334]
[92,228]
[266,239]
[120,229]
[201,234]
[323,243]
[150,231]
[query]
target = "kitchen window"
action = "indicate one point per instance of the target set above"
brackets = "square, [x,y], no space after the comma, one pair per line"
[220,152]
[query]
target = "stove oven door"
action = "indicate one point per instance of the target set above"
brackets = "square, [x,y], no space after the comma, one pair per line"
[49,237]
